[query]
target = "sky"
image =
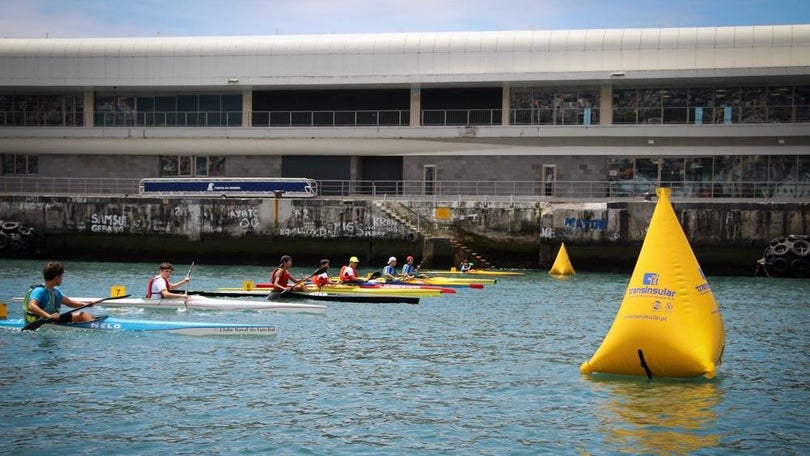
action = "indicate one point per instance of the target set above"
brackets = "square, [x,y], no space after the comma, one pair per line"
[145,18]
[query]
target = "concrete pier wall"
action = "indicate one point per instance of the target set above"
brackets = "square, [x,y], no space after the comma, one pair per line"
[727,237]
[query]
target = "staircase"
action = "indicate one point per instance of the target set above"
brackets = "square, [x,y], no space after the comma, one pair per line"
[468,255]
[429,230]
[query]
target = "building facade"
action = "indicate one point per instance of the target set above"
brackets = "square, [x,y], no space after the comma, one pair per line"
[718,112]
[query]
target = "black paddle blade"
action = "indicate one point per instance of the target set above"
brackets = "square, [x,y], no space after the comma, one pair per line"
[34,325]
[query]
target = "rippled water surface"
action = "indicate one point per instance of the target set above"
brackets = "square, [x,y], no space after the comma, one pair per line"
[490,372]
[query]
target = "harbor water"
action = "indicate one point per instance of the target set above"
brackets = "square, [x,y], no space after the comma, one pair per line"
[490,371]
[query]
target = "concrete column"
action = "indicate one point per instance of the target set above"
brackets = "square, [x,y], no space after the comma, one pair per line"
[606,105]
[416,105]
[247,107]
[506,100]
[89,108]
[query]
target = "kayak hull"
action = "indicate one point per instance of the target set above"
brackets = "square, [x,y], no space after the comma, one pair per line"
[344,297]
[198,301]
[478,272]
[187,328]
[352,289]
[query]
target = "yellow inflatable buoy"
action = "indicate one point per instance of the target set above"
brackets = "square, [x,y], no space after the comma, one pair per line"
[668,324]
[562,267]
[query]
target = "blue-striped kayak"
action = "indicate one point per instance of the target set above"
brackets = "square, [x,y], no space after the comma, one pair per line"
[188,328]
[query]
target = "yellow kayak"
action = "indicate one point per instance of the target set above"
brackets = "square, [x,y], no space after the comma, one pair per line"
[449,281]
[476,272]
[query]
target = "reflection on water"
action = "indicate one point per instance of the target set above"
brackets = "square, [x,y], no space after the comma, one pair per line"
[658,417]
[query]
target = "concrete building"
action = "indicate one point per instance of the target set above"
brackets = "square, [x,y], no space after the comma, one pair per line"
[711,112]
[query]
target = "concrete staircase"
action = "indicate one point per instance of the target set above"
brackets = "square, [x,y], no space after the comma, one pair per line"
[430,230]
[465,253]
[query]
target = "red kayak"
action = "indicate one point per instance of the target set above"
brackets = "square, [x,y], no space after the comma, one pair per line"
[396,285]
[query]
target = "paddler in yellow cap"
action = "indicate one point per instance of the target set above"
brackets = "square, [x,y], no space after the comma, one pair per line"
[348,274]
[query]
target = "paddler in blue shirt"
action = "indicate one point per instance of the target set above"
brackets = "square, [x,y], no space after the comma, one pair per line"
[45,300]
[389,273]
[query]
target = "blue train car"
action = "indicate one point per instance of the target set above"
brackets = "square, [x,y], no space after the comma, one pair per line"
[290,187]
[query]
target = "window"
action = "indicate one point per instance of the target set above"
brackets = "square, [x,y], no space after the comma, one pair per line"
[41,110]
[20,164]
[554,106]
[181,165]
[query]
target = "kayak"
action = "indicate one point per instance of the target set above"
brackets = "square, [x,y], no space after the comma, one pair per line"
[188,328]
[314,296]
[355,289]
[405,285]
[196,302]
[477,272]
[343,297]
[455,281]
[427,283]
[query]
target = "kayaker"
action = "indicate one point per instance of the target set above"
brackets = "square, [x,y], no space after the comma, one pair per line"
[281,275]
[389,274]
[322,279]
[407,269]
[44,301]
[348,274]
[160,287]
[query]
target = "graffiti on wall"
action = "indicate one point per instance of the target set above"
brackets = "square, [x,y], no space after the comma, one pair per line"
[300,225]
[235,219]
[108,223]
[586,224]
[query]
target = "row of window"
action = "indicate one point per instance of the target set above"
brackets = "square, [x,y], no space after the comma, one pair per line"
[529,106]
[170,165]
[711,176]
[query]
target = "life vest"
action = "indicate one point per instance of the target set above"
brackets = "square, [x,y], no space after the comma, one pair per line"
[29,317]
[321,280]
[345,277]
[282,280]
[152,282]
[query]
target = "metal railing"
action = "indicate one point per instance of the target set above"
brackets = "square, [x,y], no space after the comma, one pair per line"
[450,190]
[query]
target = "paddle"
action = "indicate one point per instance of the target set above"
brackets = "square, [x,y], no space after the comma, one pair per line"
[188,275]
[34,325]
[318,271]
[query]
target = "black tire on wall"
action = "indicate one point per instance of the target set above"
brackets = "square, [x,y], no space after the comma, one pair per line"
[3,240]
[10,227]
[778,266]
[800,248]
[781,248]
[800,268]
[788,256]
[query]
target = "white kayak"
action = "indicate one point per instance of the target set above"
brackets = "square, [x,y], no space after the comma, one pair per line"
[201,302]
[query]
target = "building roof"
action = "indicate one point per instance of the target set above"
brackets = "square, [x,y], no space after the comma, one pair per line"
[408,58]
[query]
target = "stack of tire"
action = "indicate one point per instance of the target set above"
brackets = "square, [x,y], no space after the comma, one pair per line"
[17,239]
[788,257]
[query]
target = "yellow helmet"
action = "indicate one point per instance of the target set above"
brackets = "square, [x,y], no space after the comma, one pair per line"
[353,260]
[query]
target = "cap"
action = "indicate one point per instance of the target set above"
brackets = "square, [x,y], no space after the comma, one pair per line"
[409,258]
[353,260]
[392,259]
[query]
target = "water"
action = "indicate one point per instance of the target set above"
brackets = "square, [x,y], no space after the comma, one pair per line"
[486,372]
